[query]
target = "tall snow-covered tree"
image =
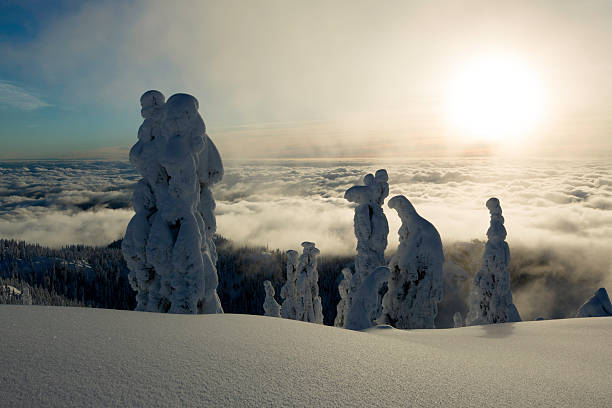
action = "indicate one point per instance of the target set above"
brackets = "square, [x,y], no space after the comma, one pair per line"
[289,289]
[168,243]
[371,228]
[490,296]
[271,307]
[596,306]
[309,307]
[416,279]
[343,288]
[367,302]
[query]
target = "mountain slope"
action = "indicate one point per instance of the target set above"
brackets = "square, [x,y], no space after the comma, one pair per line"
[53,356]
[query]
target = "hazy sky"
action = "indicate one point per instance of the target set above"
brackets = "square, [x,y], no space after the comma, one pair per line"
[294,79]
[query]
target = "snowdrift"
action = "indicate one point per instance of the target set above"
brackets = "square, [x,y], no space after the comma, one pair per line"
[54,356]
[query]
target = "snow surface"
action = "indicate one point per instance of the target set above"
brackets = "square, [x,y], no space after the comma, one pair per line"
[68,357]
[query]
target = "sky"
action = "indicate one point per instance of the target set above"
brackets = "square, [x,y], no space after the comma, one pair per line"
[282,79]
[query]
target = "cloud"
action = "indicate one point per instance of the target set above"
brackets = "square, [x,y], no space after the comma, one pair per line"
[15,97]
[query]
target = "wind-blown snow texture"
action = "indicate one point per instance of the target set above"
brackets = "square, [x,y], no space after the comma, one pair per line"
[168,243]
[490,296]
[289,290]
[270,306]
[416,281]
[83,357]
[343,288]
[597,305]
[367,302]
[371,228]
[309,307]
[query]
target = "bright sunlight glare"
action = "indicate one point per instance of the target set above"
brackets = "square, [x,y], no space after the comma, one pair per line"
[495,99]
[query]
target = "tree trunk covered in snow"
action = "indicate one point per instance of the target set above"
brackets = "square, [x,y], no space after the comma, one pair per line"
[490,296]
[309,307]
[343,288]
[289,289]
[168,243]
[416,278]
[371,228]
[271,307]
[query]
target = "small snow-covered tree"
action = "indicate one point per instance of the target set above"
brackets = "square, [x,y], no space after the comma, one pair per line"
[289,289]
[490,296]
[367,302]
[26,296]
[271,307]
[596,306]
[309,307]
[371,228]
[168,243]
[458,320]
[416,279]
[343,288]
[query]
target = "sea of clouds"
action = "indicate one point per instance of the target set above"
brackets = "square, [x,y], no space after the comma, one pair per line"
[558,212]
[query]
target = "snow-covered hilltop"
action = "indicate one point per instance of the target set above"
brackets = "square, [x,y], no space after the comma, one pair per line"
[168,245]
[76,357]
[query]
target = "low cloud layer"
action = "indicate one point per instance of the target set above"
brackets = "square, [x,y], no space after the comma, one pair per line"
[558,213]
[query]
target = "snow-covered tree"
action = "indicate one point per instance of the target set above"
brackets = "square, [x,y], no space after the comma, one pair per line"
[490,296]
[309,308]
[271,307]
[343,288]
[26,296]
[596,306]
[458,320]
[371,227]
[289,289]
[367,302]
[416,279]
[168,243]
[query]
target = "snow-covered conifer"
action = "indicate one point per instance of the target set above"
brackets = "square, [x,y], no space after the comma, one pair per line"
[168,244]
[367,302]
[308,307]
[289,289]
[271,307]
[490,296]
[596,306]
[458,320]
[343,288]
[371,227]
[26,296]
[416,279]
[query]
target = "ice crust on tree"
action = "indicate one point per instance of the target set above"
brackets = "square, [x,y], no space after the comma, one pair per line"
[343,288]
[490,296]
[596,306]
[371,228]
[168,244]
[367,302]
[271,307]
[308,307]
[289,289]
[416,279]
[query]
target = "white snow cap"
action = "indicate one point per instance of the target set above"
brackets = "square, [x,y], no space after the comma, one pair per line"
[309,307]
[343,288]
[168,244]
[289,289]
[596,306]
[367,307]
[416,280]
[490,296]
[371,228]
[271,307]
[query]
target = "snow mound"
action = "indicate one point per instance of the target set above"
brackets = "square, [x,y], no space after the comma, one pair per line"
[82,357]
[597,305]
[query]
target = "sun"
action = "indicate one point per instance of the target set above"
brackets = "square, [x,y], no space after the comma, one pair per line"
[495,98]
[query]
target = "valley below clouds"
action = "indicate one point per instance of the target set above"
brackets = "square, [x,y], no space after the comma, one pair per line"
[558,212]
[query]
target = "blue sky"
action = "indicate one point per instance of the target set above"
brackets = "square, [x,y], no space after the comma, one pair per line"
[292,79]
